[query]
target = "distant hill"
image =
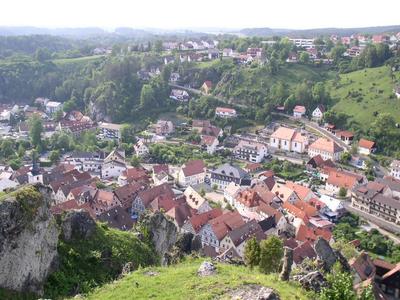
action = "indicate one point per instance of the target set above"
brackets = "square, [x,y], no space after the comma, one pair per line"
[309,33]
[76,32]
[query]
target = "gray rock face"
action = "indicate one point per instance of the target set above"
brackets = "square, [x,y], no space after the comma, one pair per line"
[206,269]
[313,281]
[287,264]
[253,292]
[28,244]
[77,224]
[163,233]
[325,254]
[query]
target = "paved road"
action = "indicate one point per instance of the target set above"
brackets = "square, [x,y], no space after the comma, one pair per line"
[387,228]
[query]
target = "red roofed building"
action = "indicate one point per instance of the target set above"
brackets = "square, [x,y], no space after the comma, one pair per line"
[192,173]
[299,111]
[346,136]
[326,148]
[209,143]
[303,251]
[216,229]
[196,222]
[225,112]
[366,147]
[343,179]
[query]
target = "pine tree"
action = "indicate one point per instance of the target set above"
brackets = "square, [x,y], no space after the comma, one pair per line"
[252,253]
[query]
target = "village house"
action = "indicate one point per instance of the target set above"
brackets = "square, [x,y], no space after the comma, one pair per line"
[251,151]
[326,148]
[196,222]
[237,238]
[288,139]
[174,77]
[52,107]
[377,199]
[114,164]
[103,201]
[346,136]
[209,143]
[318,113]
[110,131]
[284,193]
[395,169]
[179,95]
[206,87]
[196,201]
[192,173]
[216,229]
[338,179]
[366,147]
[87,161]
[299,111]
[225,112]
[227,173]
[227,52]
[127,193]
[141,149]
[135,174]
[144,199]
[303,192]
[231,191]
[160,174]
[252,167]
[117,218]
[164,127]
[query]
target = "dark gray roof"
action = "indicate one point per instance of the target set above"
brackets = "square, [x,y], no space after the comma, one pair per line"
[231,170]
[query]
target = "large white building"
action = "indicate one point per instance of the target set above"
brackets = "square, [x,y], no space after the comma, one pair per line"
[288,139]
[327,148]
[395,169]
[303,43]
[251,151]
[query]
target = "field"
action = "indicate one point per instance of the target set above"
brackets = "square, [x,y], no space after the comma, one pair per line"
[181,282]
[362,94]
[84,59]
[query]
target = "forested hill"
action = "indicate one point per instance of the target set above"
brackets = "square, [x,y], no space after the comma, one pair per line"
[311,33]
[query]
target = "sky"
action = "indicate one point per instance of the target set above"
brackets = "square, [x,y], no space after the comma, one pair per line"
[178,14]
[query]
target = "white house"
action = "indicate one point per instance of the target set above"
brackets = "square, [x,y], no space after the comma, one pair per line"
[110,131]
[251,151]
[141,148]
[52,106]
[327,148]
[225,112]
[114,165]
[299,111]
[318,112]
[196,201]
[179,95]
[395,169]
[288,139]
[6,183]
[231,191]
[209,143]
[366,147]
[192,173]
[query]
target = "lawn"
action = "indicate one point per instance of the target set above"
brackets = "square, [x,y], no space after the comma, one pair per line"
[181,282]
[361,94]
[63,61]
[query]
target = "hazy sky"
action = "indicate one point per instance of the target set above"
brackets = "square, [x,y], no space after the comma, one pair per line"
[200,13]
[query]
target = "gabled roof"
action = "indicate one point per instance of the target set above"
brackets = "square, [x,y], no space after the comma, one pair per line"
[149,195]
[208,83]
[299,109]
[363,143]
[303,251]
[363,266]
[126,193]
[181,213]
[117,217]
[327,145]
[301,191]
[193,198]
[225,110]
[344,179]
[246,231]
[231,171]
[283,133]
[249,198]
[198,221]
[208,140]
[225,223]
[193,167]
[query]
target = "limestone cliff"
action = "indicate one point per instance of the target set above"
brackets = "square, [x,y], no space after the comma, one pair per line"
[28,240]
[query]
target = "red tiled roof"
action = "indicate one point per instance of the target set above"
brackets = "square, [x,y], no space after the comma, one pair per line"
[198,221]
[299,109]
[193,167]
[225,223]
[303,251]
[300,190]
[363,143]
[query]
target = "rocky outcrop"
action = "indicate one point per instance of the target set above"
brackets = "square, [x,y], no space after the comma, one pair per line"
[77,224]
[206,269]
[287,264]
[313,281]
[162,233]
[327,256]
[253,292]
[28,241]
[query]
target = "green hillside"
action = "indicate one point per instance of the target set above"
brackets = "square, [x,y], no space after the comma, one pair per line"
[247,84]
[181,282]
[361,94]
